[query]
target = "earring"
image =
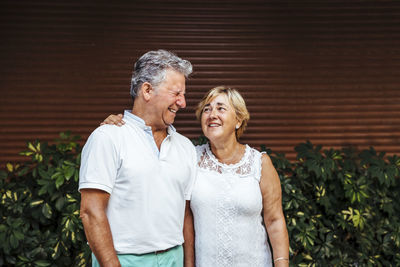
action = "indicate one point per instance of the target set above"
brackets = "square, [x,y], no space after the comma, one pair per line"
[237,127]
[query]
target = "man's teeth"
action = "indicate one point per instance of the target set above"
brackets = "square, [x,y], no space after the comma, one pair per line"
[174,111]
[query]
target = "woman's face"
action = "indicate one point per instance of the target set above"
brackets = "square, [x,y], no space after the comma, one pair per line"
[218,120]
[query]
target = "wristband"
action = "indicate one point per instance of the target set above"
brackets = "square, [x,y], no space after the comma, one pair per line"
[281,259]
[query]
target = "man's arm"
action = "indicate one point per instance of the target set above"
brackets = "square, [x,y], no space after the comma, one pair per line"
[188,234]
[97,229]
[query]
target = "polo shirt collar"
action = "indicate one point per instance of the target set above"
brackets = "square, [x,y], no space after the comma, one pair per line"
[129,116]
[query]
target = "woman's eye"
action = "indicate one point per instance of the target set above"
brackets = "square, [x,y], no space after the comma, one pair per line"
[221,108]
[206,109]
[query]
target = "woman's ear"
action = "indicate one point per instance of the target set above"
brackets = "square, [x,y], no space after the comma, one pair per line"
[238,124]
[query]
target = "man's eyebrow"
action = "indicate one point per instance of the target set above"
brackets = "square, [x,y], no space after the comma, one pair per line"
[180,91]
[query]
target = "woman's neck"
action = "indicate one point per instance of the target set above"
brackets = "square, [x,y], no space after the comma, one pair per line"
[228,152]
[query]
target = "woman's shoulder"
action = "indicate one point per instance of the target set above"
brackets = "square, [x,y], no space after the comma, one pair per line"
[256,151]
[263,155]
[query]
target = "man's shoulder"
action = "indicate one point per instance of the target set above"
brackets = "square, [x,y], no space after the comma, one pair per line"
[183,139]
[202,147]
[108,132]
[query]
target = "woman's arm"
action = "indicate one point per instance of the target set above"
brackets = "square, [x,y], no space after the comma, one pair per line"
[273,214]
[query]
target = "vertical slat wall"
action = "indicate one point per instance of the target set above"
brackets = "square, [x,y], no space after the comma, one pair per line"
[326,71]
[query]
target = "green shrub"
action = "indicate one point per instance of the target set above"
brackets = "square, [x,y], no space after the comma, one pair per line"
[341,207]
[39,223]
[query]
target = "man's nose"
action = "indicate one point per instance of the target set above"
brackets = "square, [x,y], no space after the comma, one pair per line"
[181,101]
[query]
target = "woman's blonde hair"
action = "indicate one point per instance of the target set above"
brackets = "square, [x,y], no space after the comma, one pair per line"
[235,99]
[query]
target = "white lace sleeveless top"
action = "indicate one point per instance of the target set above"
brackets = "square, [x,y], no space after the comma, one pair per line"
[227,204]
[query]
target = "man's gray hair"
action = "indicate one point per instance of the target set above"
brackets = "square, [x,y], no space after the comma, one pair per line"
[152,66]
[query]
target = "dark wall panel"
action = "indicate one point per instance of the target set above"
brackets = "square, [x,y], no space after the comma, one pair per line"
[323,71]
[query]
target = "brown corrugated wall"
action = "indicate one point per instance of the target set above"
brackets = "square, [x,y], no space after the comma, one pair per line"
[323,71]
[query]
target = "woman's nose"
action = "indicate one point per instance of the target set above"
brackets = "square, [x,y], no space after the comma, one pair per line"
[213,113]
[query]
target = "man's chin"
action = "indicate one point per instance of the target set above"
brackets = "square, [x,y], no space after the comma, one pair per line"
[168,122]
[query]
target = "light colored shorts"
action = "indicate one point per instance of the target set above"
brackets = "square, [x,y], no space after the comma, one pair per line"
[171,258]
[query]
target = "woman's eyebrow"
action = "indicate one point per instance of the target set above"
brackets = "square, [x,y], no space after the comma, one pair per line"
[217,104]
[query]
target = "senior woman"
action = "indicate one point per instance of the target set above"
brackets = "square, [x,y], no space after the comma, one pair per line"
[236,201]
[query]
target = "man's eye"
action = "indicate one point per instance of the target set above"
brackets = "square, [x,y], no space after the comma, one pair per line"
[179,94]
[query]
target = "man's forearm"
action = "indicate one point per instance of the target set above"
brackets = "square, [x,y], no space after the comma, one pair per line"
[98,234]
[188,248]
[188,234]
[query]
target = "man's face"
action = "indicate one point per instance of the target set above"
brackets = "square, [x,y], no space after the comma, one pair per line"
[168,98]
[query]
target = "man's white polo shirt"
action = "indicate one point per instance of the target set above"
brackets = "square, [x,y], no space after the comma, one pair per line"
[147,191]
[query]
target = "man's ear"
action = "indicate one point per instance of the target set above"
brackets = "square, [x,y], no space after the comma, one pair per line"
[147,90]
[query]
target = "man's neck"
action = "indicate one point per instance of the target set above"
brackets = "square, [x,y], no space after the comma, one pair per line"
[159,133]
[159,136]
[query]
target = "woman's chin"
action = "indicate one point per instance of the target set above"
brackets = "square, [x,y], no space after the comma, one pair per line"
[213,138]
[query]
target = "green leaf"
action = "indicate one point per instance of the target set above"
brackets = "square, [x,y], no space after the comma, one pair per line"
[56,252]
[14,241]
[60,203]
[36,202]
[76,176]
[18,235]
[42,263]
[23,171]
[31,147]
[3,174]
[43,190]
[69,163]
[69,172]
[46,211]
[59,181]
[23,258]
[17,223]
[44,174]
[56,175]
[70,198]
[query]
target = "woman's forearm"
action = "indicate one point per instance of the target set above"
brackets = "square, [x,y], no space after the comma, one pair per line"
[279,239]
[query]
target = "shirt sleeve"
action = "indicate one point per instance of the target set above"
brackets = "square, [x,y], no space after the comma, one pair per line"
[99,162]
[193,175]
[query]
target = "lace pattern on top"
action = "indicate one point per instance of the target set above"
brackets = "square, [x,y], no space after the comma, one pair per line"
[226,213]
[245,167]
[232,243]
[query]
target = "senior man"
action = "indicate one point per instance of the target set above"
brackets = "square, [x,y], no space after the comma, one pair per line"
[135,179]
